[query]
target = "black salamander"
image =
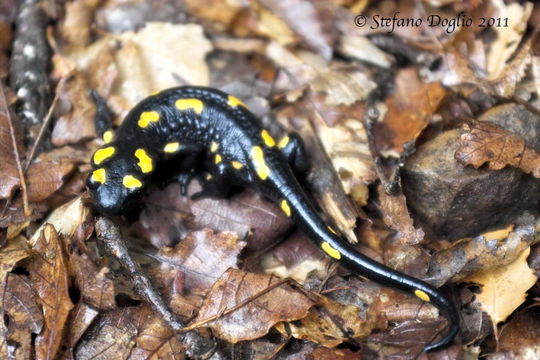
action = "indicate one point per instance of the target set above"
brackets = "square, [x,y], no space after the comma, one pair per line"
[205,131]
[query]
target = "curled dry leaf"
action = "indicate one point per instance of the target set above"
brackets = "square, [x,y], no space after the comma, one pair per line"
[81,318]
[330,323]
[49,274]
[485,142]
[505,288]
[396,215]
[482,253]
[66,218]
[244,306]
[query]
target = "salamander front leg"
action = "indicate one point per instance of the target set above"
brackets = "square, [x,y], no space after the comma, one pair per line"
[293,148]
[214,185]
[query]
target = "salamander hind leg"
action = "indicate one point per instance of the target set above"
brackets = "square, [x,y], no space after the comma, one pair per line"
[293,148]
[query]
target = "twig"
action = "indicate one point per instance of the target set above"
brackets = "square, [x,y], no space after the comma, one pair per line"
[3,105]
[45,124]
[109,234]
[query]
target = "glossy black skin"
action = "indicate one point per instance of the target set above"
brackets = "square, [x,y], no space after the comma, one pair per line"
[237,130]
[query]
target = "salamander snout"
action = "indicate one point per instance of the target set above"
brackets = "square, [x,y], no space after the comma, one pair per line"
[114,184]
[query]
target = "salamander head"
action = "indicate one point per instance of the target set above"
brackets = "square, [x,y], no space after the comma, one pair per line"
[115,181]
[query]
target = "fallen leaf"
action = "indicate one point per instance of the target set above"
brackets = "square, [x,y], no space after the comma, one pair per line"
[9,175]
[66,218]
[330,323]
[410,108]
[508,37]
[485,142]
[202,256]
[244,306]
[156,340]
[76,120]
[396,215]
[81,318]
[520,335]
[505,288]
[49,275]
[44,178]
[482,253]
[112,336]
[97,290]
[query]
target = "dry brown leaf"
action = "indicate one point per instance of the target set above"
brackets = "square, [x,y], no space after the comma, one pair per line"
[156,340]
[296,258]
[81,318]
[330,323]
[97,290]
[396,215]
[114,335]
[485,142]
[44,178]
[244,306]
[49,275]
[15,250]
[505,288]
[411,108]
[309,21]
[9,175]
[20,304]
[203,257]
[76,122]
[520,335]
[157,56]
[213,10]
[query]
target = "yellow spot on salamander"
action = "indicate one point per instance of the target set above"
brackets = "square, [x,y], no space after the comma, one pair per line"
[267,138]
[186,104]
[285,207]
[333,253]
[422,295]
[332,230]
[234,102]
[145,161]
[171,147]
[260,164]
[108,136]
[148,117]
[99,176]
[283,142]
[218,159]
[131,182]
[103,154]
[214,146]
[237,165]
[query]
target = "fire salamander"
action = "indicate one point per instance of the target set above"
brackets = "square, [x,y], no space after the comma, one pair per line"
[199,130]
